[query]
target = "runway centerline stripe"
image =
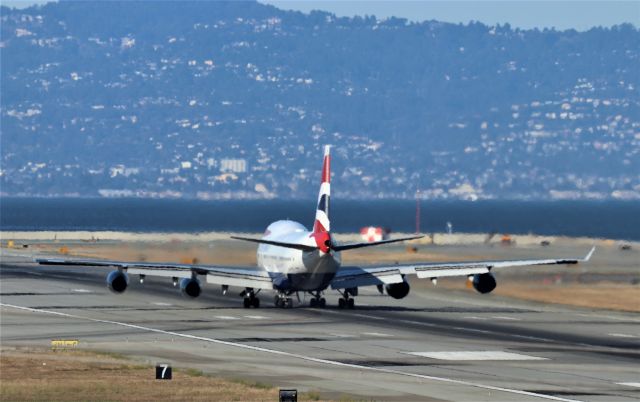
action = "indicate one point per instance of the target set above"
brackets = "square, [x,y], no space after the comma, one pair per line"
[226,317]
[502,317]
[292,355]
[630,384]
[622,335]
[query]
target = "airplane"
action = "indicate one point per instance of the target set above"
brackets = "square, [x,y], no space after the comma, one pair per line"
[291,259]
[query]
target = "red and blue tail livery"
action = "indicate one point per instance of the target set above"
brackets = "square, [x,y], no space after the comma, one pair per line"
[322,222]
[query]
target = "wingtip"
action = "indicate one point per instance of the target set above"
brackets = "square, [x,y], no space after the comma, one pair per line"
[327,150]
[588,257]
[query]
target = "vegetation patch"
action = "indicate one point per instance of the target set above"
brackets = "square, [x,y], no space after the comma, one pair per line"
[77,375]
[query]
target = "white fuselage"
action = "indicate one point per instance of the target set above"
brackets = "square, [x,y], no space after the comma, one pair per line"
[293,269]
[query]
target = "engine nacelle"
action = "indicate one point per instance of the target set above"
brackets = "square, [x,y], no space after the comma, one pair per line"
[190,287]
[117,281]
[484,283]
[398,290]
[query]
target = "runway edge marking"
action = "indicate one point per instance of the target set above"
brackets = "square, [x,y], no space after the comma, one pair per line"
[294,355]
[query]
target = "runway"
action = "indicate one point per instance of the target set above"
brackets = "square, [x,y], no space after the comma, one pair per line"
[434,345]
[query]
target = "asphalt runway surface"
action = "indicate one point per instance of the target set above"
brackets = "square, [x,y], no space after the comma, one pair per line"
[434,345]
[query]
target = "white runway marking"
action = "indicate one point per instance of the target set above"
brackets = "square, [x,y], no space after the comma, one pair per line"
[623,335]
[502,317]
[163,304]
[495,317]
[226,317]
[295,355]
[609,317]
[373,317]
[81,291]
[630,384]
[426,324]
[255,317]
[376,334]
[481,355]
[480,331]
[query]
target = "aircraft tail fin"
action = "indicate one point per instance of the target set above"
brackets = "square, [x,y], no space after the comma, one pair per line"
[322,222]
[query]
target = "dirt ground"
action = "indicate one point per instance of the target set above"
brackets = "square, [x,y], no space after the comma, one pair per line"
[80,375]
[603,295]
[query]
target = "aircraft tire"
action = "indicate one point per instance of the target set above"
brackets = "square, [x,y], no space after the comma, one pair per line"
[341,303]
[313,302]
[351,303]
[255,302]
[246,303]
[322,303]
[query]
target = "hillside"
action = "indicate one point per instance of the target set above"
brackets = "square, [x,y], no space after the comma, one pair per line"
[217,100]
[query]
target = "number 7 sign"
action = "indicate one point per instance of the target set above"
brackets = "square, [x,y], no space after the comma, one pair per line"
[163,372]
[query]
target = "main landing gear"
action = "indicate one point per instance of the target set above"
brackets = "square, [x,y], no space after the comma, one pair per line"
[346,301]
[283,300]
[317,301]
[250,299]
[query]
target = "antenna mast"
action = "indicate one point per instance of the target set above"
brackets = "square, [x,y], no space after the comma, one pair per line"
[418,211]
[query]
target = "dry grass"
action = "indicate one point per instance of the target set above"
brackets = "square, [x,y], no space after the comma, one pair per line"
[603,295]
[227,252]
[74,375]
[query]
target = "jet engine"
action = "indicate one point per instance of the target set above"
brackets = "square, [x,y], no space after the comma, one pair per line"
[484,283]
[190,287]
[398,290]
[117,281]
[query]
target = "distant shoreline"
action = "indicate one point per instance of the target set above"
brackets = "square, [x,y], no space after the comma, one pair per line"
[441,238]
[229,197]
[590,219]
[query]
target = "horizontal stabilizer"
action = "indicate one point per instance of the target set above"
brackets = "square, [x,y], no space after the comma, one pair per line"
[588,256]
[351,246]
[302,247]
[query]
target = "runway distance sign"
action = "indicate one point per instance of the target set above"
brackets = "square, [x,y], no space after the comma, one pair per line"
[288,395]
[163,372]
[63,343]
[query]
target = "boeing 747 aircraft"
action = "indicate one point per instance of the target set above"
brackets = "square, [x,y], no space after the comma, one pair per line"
[292,259]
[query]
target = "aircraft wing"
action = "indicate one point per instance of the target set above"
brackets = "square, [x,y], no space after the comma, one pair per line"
[354,276]
[248,277]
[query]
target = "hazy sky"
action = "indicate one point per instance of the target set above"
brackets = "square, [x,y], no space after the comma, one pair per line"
[561,14]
